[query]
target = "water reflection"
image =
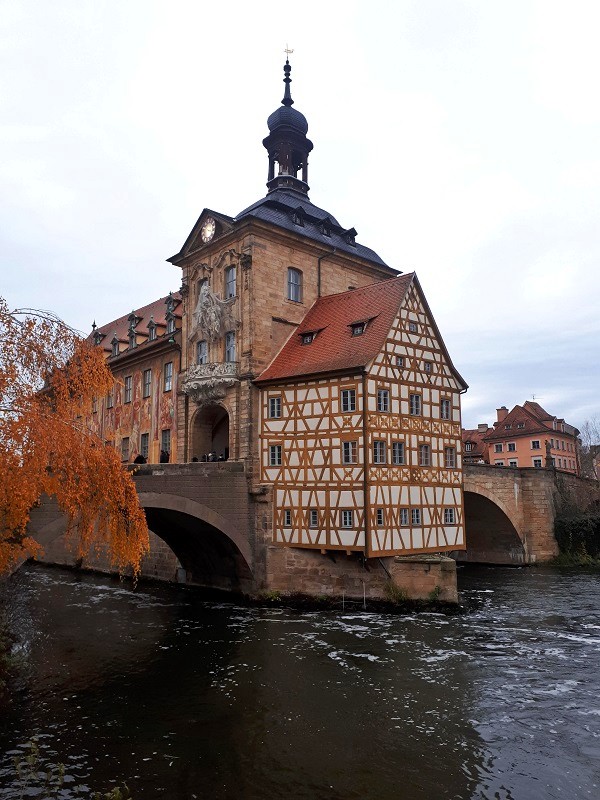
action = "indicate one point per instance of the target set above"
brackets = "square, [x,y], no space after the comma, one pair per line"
[183,698]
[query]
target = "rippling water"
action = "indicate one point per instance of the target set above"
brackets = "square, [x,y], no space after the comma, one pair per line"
[183,698]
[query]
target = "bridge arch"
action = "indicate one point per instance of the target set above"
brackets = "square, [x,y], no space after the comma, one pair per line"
[492,537]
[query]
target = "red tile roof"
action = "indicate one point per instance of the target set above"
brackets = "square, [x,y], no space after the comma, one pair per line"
[531,418]
[156,310]
[479,448]
[334,349]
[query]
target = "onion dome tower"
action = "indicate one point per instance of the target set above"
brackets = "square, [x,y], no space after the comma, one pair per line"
[287,144]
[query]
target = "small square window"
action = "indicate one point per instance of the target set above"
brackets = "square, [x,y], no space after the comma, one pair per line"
[358,328]
[307,338]
[535,444]
[427,366]
[399,361]
[349,452]
[537,463]
[498,463]
[449,516]
[520,424]
[347,519]
[274,407]
[412,327]
[507,427]
[416,516]
[513,463]
[511,447]
[348,400]
[498,448]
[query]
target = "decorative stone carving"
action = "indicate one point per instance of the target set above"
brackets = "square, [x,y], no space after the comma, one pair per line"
[206,383]
[213,317]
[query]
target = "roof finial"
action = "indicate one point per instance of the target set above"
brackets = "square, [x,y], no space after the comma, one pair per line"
[287,97]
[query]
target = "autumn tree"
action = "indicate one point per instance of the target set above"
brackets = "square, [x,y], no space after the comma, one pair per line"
[589,437]
[49,377]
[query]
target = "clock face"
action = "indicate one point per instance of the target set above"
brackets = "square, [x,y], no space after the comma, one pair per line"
[208,229]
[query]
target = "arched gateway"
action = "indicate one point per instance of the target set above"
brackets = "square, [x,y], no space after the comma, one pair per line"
[210,432]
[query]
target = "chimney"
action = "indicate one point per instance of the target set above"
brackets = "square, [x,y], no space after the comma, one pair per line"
[482,427]
[502,413]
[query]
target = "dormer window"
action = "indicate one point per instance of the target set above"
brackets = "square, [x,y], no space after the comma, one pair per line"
[326,228]
[132,341]
[171,325]
[298,217]
[468,447]
[358,328]
[350,237]
[151,330]
[520,424]
[507,427]
[115,346]
[97,338]
[307,338]
[133,321]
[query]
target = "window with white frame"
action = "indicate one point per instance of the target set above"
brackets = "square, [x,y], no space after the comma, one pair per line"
[412,327]
[294,285]
[424,455]
[398,454]
[230,282]
[349,452]
[415,516]
[379,454]
[127,389]
[230,346]
[535,444]
[511,447]
[147,383]
[415,405]
[168,376]
[151,330]
[171,325]
[202,352]
[383,400]
[427,367]
[313,518]
[520,424]
[449,516]
[275,455]
[347,518]
[498,463]
[348,400]
[115,347]
[468,447]
[513,463]
[379,516]
[404,516]
[399,361]
[450,457]
[287,517]
[445,408]
[498,448]
[275,407]
[358,328]
[537,463]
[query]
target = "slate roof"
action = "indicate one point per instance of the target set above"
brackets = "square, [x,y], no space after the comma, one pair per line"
[334,348]
[278,208]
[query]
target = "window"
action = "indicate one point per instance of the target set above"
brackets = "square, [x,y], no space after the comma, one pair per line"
[358,328]
[498,448]
[132,339]
[449,457]
[294,285]
[498,463]
[349,452]
[552,443]
[398,453]
[230,346]
[449,516]
[511,447]
[348,400]
[513,463]
[127,389]
[445,409]
[507,427]
[379,454]
[145,445]
[109,400]
[94,405]
[404,516]
[427,367]
[520,424]
[313,518]
[202,352]
[287,518]
[275,455]
[379,516]
[424,455]
[229,282]
[171,327]
[274,407]
[416,516]
[560,463]
[307,338]
[347,519]
[147,383]
[412,327]
[165,440]
[415,405]
[115,347]
[383,400]
[125,448]
[168,376]
[535,444]
[562,445]
[151,330]
[399,361]
[468,447]
[537,463]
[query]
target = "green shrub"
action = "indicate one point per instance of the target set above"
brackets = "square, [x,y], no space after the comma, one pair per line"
[578,536]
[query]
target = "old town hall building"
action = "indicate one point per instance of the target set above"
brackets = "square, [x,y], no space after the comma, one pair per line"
[295,350]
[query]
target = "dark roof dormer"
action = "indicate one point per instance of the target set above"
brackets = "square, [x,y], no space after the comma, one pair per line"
[287,144]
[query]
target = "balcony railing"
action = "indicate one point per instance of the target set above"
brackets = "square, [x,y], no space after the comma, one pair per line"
[205,383]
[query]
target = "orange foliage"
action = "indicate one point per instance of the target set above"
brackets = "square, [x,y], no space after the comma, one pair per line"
[49,376]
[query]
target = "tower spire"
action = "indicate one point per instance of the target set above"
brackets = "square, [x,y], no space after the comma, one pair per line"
[287,95]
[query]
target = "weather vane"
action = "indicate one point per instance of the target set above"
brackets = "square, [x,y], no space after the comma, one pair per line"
[287,50]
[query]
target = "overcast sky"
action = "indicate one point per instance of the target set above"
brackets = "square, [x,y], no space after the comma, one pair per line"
[460,139]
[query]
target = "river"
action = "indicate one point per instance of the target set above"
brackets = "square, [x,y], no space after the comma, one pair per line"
[184,698]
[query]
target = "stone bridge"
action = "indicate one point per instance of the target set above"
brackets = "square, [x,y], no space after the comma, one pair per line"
[510,512]
[202,512]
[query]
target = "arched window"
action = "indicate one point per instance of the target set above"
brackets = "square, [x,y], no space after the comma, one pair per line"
[294,285]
